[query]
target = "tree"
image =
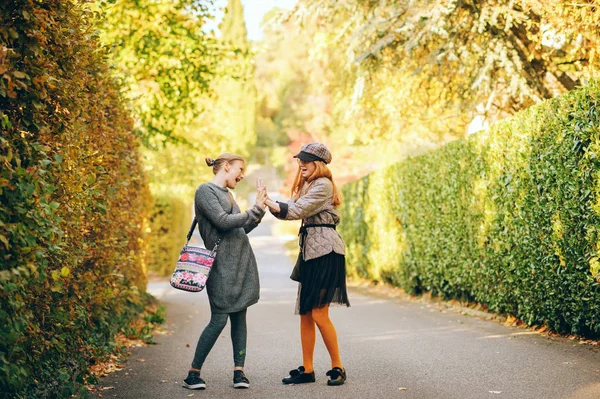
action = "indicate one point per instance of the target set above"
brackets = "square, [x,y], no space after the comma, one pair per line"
[166,59]
[503,54]
[233,117]
[233,27]
[309,90]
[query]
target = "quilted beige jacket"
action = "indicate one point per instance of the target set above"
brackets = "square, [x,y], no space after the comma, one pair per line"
[315,207]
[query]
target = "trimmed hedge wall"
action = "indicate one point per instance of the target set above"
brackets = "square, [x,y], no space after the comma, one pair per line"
[509,217]
[169,224]
[73,201]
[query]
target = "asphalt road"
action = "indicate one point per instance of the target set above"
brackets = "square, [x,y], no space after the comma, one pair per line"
[390,348]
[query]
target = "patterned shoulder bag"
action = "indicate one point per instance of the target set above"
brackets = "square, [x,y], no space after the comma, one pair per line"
[195,263]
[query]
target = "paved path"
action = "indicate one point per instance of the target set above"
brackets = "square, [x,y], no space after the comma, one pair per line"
[385,344]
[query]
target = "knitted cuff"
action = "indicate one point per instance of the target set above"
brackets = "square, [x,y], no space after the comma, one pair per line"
[283,209]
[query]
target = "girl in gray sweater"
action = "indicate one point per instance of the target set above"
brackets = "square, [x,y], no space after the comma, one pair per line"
[233,284]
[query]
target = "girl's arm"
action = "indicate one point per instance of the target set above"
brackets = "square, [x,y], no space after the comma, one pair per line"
[317,199]
[211,207]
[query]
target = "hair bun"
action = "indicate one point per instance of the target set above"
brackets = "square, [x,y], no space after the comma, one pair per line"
[209,161]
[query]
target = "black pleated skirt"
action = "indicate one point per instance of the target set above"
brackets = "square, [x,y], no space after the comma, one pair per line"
[322,281]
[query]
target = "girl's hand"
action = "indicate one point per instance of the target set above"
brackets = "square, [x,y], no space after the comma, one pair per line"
[261,197]
[274,206]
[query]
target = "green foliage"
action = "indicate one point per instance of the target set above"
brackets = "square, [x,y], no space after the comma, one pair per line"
[73,197]
[294,92]
[232,116]
[153,315]
[233,27]
[503,55]
[191,93]
[309,90]
[169,224]
[509,217]
[165,59]
[398,78]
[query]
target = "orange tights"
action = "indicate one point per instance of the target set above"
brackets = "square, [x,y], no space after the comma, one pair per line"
[320,317]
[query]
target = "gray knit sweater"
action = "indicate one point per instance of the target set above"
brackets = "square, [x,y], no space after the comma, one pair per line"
[233,283]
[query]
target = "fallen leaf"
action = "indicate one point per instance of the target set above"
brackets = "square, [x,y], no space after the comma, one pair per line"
[496,392]
[140,360]
[402,389]
[107,388]
[191,394]
[100,395]
[187,345]
[163,381]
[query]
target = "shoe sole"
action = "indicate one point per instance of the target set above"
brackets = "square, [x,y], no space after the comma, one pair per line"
[241,385]
[335,384]
[196,386]
[296,383]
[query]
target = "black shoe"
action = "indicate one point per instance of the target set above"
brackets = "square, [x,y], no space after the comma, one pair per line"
[298,376]
[193,381]
[337,376]
[239,380]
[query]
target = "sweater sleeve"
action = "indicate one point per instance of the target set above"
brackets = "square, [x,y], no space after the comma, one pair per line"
[208,203]
[249,227]
[317,199]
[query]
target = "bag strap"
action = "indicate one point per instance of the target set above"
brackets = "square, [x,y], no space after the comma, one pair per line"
[189,234]
[195,223]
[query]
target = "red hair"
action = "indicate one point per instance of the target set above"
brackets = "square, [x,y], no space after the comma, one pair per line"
[321,170]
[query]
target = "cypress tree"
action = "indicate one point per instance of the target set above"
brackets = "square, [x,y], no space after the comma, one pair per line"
[237,93]
[233,27]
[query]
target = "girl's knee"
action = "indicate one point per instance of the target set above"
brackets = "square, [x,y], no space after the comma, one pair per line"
[320,315]
[306,317]
[218,321]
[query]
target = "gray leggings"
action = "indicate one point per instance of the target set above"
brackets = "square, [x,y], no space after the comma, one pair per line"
[213,330]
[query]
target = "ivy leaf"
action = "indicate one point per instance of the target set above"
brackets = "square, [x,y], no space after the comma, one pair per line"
[4,241]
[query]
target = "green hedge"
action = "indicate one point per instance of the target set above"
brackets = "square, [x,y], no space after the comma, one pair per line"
[509,217]
[73,201]
[169,224]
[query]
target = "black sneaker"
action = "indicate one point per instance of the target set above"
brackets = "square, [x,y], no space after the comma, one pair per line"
[193,381]
[239,380]
[337,376]
[298,376]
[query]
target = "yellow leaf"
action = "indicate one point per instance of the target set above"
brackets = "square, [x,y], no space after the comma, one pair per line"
[65,271]
[55,275]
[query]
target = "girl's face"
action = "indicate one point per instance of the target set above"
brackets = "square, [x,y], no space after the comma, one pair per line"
[234,173]
[307,168]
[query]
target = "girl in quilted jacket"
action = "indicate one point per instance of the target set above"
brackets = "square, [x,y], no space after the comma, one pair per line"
[320,269]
